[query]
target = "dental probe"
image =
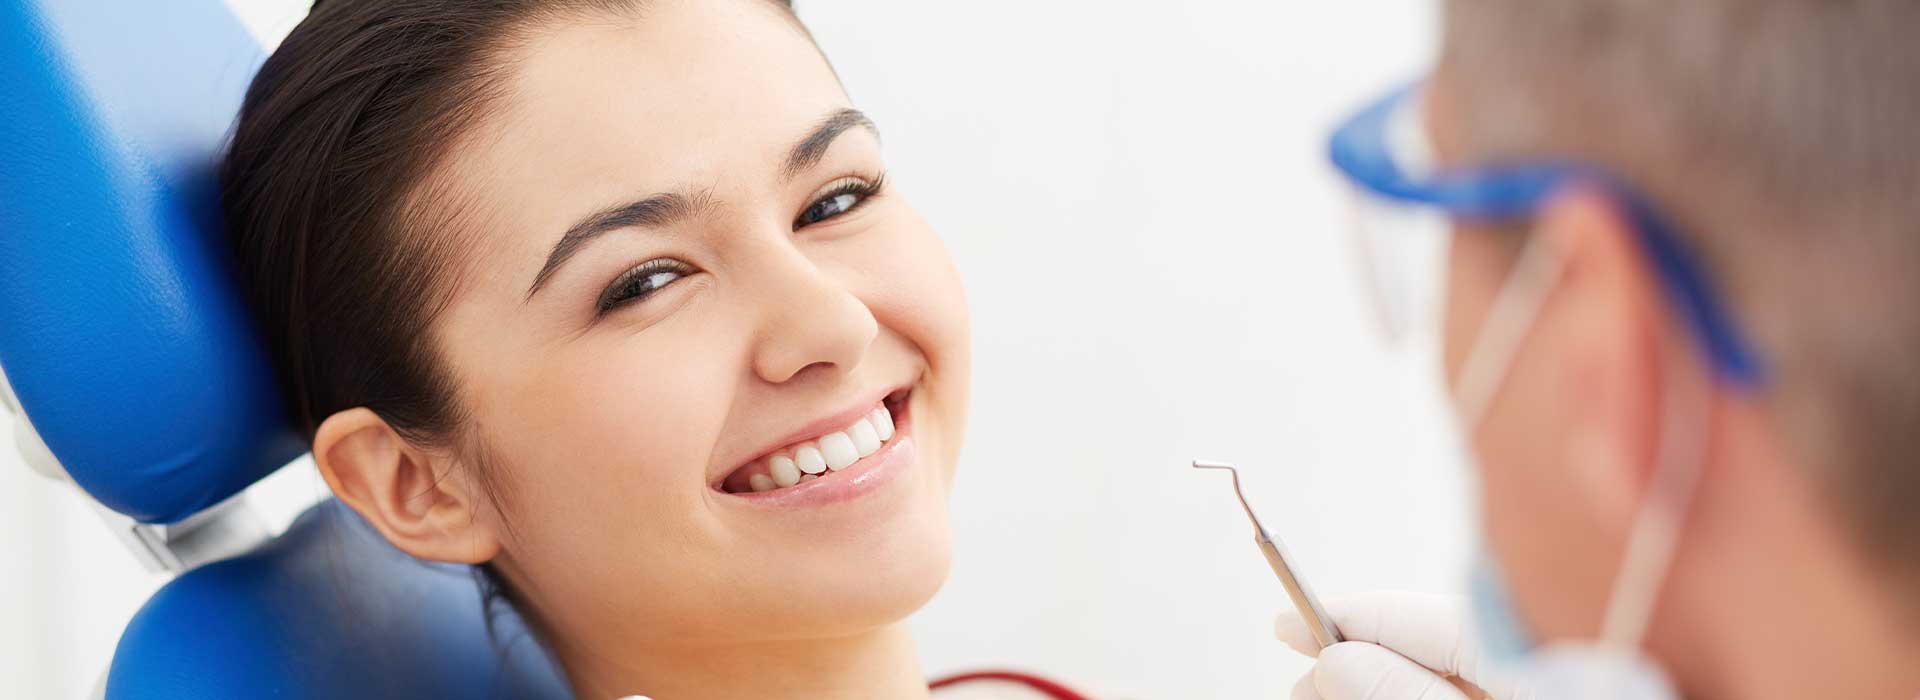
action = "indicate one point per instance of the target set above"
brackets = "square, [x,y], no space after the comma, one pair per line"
[1304,601]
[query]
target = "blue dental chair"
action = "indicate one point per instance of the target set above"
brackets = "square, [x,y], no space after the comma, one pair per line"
[129,368]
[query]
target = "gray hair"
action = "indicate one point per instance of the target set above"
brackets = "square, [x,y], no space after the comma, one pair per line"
[1780,138]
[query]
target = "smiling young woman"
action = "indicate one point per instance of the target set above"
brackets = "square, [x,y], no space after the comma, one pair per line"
[612,299]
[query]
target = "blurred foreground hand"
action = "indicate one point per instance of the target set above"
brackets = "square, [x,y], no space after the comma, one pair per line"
[1400,646]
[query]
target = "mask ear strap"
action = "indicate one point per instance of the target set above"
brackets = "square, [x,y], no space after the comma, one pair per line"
[1508,323]
[1656,527]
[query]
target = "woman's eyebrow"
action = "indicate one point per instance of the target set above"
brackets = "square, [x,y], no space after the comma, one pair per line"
[667,208]
[811,149]
[655,211]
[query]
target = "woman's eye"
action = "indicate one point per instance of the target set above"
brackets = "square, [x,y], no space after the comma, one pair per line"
[641,282]
[839,198]
[829,208]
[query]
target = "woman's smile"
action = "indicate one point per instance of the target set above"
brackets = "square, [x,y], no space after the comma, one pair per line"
[831,446]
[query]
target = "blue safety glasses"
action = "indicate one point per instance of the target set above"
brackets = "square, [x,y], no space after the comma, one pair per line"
[1382,151]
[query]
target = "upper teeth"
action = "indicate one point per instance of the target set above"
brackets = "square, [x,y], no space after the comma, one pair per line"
[836,450]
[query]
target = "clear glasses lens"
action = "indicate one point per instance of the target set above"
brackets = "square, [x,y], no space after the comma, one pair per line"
[1402,246]
[1402,254]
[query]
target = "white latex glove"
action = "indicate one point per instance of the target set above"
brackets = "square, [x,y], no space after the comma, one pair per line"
[1400,646]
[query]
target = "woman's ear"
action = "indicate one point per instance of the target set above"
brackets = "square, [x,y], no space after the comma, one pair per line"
[421,500]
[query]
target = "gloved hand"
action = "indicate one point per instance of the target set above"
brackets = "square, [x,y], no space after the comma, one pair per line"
[1400,646]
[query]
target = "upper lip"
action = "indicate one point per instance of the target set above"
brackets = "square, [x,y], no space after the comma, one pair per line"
[832,422]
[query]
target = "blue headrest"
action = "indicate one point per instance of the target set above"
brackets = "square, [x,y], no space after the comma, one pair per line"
[124,338]
[327,611]
[120,327]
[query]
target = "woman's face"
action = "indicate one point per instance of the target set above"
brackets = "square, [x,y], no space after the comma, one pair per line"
[684,271]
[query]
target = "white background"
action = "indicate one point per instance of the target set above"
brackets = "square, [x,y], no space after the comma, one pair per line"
[1156,258]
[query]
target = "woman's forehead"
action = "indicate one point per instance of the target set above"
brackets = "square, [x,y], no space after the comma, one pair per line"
[667,85]
[592,112]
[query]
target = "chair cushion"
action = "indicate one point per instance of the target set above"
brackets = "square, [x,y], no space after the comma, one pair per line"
[327,610]
[121,329]
[122,333]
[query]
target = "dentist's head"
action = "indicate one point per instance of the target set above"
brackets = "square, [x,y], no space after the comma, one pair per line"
[1777,140]
[614,298]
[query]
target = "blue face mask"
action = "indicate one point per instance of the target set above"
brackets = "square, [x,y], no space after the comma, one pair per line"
[1504,638]
[1612,666]
[1560,672]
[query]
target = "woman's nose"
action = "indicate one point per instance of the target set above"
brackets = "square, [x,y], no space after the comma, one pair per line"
[812,322]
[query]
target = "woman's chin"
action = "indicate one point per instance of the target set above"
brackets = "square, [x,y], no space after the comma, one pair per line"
[849,588]
[888,582]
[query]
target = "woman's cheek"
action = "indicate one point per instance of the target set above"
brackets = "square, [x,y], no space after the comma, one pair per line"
[927,307]
[622,459]
[634,419]
[918,291]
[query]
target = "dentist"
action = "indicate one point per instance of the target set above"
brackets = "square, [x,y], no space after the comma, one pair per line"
[1682,333]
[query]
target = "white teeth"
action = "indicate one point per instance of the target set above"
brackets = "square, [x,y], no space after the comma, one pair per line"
[762,482]
[839,451]
[784,472]
[810,459]
[865,440]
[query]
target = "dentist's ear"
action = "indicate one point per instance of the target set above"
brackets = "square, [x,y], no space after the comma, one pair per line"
[1615,338]
[420,500]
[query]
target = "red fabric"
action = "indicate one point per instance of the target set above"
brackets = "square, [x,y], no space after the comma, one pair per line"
[1050,688]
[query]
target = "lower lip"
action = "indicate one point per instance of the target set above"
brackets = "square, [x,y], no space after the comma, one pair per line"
[860,479]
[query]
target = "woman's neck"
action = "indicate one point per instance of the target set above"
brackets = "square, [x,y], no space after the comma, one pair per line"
[877,664]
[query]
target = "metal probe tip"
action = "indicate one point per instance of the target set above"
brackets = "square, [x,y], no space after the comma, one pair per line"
[1258,529]
[1324,631]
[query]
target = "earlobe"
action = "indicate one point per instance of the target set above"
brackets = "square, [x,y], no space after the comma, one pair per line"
[416,498]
